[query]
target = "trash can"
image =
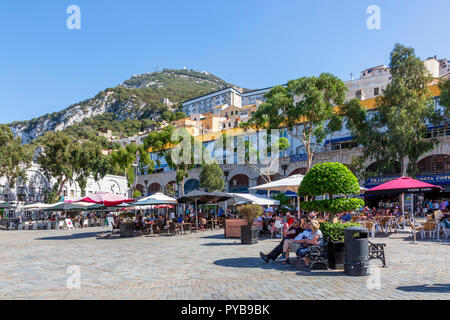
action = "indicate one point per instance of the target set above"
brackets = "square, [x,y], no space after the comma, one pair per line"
[356,251]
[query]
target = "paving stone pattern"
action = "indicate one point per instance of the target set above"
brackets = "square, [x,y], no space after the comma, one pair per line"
[205,265]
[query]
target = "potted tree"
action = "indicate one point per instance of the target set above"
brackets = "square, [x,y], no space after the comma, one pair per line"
[249,233]
[337,182]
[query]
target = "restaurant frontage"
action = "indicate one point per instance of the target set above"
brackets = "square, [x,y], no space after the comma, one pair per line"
[411,199]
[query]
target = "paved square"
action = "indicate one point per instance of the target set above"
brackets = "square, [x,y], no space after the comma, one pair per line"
[34,264]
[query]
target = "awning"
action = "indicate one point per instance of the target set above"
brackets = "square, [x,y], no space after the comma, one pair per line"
[254,199]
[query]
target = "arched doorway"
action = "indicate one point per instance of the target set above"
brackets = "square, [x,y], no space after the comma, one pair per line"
[239,183]
[191,185]
[155,187]
[435,164]
[298,171]
[378,169]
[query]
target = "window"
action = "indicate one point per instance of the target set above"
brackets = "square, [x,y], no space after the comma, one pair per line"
[231,112]
[376,91]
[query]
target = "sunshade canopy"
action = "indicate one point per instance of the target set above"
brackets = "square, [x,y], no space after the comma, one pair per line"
[287,184]
[66,206]
[6,205]
[403,185]
[149,202]
[161,197]
[107,199]
[254,199]
[202,197]
[38,206]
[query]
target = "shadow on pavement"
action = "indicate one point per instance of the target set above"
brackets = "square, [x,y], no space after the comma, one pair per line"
[296,265]
[77,236]
[218,244]
[438,288]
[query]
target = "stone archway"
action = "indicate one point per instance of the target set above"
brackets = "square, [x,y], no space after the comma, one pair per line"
[155,187]
[301,171]
[191,185]
[140,188]
[376,169]
[239,183]
[435,164]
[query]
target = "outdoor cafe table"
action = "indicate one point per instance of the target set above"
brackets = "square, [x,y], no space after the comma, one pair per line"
[182,225]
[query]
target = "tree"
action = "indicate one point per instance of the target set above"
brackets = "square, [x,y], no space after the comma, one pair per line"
[444,99]
[396,130]
[269,167]
[211,177]
[15,158]
[171,145]
[306,106]
[332,179]
[130,158]
[63,158]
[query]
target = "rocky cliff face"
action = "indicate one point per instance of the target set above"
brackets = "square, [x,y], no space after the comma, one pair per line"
[136,98]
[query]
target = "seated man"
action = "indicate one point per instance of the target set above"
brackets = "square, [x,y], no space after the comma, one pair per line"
[291,233]
[314,238]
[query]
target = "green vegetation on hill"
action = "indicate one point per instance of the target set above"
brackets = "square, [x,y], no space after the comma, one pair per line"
[128,108]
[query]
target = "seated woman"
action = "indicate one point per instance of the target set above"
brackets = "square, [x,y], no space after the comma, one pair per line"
[314,238]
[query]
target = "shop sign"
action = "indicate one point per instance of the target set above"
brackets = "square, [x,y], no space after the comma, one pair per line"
[439,179]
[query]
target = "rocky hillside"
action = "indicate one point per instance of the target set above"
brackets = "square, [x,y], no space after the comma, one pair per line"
[137,98]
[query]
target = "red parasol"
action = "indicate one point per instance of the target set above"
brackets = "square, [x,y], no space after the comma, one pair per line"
[403,185]
[106,199]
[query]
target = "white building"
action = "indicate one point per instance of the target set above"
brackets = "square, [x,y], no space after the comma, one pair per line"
[34,188]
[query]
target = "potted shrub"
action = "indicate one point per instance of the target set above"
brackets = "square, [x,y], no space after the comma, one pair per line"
[128,226]
[334,234]
[249,233]
[331,179]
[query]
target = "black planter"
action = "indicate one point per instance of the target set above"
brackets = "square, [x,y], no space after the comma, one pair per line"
[249,235]
[336,255]
[127,230]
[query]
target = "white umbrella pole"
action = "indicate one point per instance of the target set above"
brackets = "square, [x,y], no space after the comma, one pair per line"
[298,209]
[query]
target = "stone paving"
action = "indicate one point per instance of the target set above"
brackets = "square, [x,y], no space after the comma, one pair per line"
[205,265]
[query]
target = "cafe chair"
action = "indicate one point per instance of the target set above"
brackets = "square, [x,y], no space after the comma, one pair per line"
[429,228]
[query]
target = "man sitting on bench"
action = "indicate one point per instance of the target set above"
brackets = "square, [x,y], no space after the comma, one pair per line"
[314,238]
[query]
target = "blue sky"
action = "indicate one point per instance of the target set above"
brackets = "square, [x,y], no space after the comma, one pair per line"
[44,67]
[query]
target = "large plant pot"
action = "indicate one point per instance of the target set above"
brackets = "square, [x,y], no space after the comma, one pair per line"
[127,230]
[233,227]
[336,255]
[249,235]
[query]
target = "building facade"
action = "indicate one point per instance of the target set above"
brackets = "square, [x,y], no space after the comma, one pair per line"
[36,185]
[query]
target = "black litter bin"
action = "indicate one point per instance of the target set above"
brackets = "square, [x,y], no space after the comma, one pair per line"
[356,251]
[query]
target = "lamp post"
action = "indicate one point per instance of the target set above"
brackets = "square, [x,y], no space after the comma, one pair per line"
[284,168]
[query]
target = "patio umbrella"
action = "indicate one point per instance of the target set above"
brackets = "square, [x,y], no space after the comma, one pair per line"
[287,184]
[6,205]
[69,206]
[202,197]
[107,199]
[254,199]
[161,197]
[403,185]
